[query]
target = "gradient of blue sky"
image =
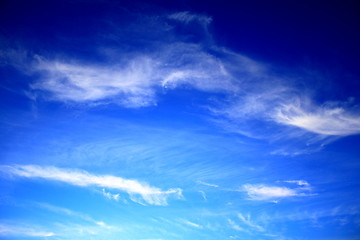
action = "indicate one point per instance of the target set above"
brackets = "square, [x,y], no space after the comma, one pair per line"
[158,121]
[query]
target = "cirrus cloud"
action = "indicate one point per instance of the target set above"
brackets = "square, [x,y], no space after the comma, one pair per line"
[148,194]
[265,192]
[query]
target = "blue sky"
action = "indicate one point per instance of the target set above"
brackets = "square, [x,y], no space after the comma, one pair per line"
[179,120]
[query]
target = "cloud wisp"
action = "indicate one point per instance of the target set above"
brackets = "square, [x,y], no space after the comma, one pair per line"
[235,226]
[247,221]
[23,231]
[329,121]
[191,224]
[302,183]
[68,212]
[246,225]
[187,17]
[265,192]
[280,104]
[208,184]
[147,194]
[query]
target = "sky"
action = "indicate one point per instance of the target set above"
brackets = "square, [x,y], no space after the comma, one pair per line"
[179,120]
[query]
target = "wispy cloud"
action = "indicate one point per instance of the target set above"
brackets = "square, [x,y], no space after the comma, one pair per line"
[285,105]
[148,194]
[314,216]
[208,184]
[325,120]
[130,85]
[203,194]
[136,83]
[187,17]
[235,226]
[247,221]
[264,192]
[298,182]
[191,224]
[68,212]
[23,231]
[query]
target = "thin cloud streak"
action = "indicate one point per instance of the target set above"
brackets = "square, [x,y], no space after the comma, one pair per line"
[299,182]
[191,224]
[208,184]
[148,194]
[23,231]
[264,192]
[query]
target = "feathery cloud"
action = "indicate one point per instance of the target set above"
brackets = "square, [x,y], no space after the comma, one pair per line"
[332,121]
[263,192]
[136,83]
[148,194]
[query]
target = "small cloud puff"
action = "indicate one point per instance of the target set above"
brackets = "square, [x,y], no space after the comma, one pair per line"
[110,195]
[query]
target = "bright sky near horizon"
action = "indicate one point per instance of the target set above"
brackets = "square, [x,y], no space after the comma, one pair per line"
[179,120]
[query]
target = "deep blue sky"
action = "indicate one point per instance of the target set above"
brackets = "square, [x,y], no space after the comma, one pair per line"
[160,120]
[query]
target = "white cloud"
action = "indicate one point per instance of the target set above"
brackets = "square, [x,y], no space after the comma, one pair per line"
[136,83]
[23,231]
[110,195]
[130,85]
[333,121]
[148,194]
[263,192]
